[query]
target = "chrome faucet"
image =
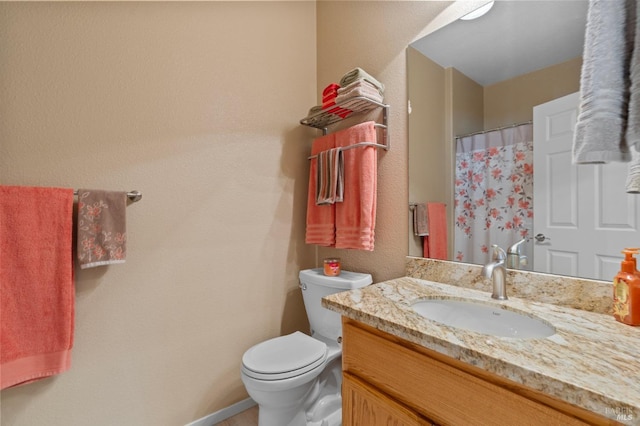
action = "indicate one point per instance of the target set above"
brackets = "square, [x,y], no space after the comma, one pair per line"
[497,271]
[515,259]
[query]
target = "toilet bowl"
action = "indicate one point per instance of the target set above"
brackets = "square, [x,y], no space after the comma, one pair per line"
[296,379]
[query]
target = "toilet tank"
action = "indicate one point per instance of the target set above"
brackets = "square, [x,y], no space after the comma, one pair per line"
[315,285]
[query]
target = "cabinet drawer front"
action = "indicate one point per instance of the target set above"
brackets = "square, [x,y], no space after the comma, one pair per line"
[436,390]
[366,406]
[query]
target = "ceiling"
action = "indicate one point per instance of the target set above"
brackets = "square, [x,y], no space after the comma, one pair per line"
[513,38]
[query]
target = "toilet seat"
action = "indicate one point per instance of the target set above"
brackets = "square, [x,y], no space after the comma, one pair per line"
[284,357]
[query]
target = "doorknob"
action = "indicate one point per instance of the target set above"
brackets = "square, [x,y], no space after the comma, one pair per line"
[541,238]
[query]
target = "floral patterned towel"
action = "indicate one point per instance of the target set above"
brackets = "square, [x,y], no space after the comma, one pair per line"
[102,227]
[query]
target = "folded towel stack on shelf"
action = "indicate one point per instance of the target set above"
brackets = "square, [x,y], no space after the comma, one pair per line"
[340,100]
[360,74]
[358,83]
[329,95]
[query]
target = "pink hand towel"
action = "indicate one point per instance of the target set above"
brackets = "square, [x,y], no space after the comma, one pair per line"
[435,244]
[356,215]
[320,218]
[102,227]
[36,282]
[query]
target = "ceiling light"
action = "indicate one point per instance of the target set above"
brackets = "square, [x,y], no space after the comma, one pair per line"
[478,12]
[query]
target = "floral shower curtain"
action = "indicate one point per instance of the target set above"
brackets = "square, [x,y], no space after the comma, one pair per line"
[494,193]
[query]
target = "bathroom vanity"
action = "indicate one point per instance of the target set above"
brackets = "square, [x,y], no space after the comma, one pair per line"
[402,368]
[387,379]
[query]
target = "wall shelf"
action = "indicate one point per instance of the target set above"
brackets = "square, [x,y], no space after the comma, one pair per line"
[359,105]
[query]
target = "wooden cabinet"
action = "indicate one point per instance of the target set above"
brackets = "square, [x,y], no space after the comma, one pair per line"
[390,381]
[364,405]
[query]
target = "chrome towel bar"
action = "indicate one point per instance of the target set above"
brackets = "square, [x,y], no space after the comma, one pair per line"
[133,195]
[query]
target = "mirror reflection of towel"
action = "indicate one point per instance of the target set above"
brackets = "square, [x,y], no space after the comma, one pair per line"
[420,220]
[435,244]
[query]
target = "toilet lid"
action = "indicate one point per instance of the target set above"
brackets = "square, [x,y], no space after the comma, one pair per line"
[284,356]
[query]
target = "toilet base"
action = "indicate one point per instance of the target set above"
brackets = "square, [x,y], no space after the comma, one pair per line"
[315,403]
[327,411]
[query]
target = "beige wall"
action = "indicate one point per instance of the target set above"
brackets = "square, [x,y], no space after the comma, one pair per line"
[427,86]
[375,36]
[196,105]
[466,115]
[512,101]
[444,103]
[467,106]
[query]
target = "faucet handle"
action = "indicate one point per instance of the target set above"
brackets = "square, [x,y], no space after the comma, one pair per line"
[515,248]
[498,253]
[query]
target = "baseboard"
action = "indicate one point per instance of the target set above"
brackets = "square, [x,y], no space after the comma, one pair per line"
[224,414]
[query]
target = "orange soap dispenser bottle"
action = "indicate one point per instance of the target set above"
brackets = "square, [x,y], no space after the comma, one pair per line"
[626,290]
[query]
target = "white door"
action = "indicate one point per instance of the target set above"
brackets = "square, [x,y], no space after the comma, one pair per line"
[582,212]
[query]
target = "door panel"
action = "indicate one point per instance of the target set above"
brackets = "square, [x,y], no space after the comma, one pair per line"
[582,210]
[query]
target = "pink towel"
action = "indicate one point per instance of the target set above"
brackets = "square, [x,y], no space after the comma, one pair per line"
[435,244]
[320,218]
[102,227]
[356,215]
[330,177]
[36,282]
[329,95]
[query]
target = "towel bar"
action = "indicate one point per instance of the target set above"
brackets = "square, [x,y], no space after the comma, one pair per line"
[356,145]
[133,195]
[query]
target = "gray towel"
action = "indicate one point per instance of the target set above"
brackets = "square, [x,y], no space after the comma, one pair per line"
[633,125]
[420,220]
[102,227]
[633,173]
[604,97]
[330,177]
[359,88]
[360,74]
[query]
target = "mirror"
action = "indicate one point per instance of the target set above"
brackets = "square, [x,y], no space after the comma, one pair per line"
[519,55]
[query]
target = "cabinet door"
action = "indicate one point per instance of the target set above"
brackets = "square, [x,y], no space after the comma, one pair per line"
[363,405]
[439,389]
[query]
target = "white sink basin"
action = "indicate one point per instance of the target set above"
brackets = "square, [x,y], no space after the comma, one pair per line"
[481,318]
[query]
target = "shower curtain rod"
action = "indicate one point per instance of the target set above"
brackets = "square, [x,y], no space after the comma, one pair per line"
[496,129]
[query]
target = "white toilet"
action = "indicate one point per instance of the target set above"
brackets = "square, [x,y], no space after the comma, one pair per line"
[296,379]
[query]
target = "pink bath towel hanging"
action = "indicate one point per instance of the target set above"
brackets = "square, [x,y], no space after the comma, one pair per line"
[356,215]
[36,283]
[321,228]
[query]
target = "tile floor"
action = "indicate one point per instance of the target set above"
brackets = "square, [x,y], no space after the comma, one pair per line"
[248,417]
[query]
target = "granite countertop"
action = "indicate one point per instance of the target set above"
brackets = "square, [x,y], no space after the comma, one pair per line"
[592,361]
